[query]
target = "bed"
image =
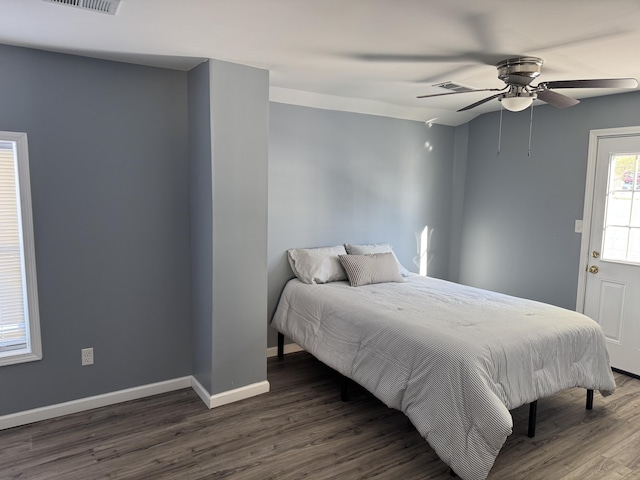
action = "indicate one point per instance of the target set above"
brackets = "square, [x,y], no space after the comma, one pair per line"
[454,359]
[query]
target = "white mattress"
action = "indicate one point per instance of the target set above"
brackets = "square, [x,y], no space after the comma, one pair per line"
[454,359]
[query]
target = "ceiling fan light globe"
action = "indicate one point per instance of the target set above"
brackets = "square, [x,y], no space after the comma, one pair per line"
[516,104]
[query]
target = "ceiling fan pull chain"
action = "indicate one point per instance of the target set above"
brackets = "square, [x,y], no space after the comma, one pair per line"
[500,131]
[530,129]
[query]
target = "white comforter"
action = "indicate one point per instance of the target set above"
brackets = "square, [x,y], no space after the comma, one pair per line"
[454,359]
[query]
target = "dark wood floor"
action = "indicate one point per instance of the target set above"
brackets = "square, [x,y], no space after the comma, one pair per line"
[301,429]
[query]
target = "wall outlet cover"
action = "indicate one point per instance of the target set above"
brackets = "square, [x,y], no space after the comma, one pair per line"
[87,356]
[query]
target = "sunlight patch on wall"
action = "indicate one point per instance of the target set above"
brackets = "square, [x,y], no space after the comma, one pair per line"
[422,259]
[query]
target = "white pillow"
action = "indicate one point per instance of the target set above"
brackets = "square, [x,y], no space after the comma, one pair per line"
[371,268]
[317,265]
[375,248]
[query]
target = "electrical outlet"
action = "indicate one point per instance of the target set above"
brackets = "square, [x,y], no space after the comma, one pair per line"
[87,356]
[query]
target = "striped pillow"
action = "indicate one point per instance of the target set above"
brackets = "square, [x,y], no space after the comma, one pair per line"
[371,268]
[375,248]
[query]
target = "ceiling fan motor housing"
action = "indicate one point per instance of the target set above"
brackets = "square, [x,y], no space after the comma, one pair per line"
[519,70]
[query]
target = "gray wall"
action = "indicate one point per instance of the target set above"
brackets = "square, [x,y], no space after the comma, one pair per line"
[109,173]
[201,223]
[458,182]
[337,177]
[519,211]
[112,206]
[228,140]
[240,138]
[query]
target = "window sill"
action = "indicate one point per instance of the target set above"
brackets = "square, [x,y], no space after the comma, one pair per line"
[15,358]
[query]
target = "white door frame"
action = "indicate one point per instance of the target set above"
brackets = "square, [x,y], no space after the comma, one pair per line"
[594,138]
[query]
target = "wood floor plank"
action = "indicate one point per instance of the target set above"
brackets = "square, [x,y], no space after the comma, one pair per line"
[302,430]
[600,468]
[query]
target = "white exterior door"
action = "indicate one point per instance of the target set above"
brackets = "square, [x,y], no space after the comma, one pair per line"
[610,277]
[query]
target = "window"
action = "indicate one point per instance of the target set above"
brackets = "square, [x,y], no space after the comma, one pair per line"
[19,317]
[622,216]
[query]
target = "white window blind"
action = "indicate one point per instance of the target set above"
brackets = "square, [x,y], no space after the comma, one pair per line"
[19,324]
[13,324]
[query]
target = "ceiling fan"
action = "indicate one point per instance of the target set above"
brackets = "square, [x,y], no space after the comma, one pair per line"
[518,73]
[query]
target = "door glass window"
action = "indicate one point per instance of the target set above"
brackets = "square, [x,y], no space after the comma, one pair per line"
[621,239]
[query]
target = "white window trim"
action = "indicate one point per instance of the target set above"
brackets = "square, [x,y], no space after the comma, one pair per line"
[24,182]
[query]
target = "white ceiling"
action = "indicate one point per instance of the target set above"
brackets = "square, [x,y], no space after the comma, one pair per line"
[369,56]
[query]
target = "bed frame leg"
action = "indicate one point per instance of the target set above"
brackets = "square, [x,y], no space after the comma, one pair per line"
[344,388]
[280,346]
[452,473]
[589,399]
[533,408]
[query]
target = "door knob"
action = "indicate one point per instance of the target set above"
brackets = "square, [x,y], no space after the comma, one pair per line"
[593,269]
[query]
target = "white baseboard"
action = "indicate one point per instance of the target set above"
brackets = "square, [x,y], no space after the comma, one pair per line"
[201,391]
[238,394]
[230,396]
[288,348]
[82,404]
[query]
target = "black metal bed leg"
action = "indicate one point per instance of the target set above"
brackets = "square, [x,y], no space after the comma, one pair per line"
[280,346]
[533,408]
[452,473]
[344,388]
[589,399]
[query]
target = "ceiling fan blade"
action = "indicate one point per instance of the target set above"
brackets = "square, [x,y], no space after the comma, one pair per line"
[590,38]
[556,99]
[485,100]
[448,74]
[468,58]
[467,91]
[482,27]
[463,57]
[600,83]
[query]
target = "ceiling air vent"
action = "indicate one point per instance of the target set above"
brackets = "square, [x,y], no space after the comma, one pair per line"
[454,87]
[101,6]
